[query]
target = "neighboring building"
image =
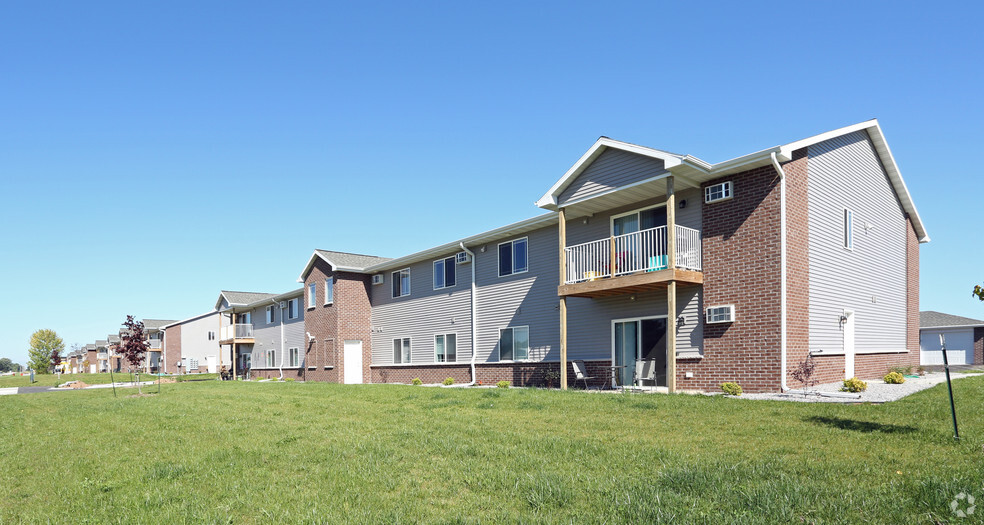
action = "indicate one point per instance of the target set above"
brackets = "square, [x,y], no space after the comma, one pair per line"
[964,339]
[194,342]
[265,333]
[236,332]
[706,273]
[153,330]
[91,358]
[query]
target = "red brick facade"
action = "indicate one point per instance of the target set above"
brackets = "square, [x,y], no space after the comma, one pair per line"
[518,374]
[172,353]
[347,318]
[978,346]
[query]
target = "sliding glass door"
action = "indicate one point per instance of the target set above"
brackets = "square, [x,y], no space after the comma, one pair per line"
[640,339]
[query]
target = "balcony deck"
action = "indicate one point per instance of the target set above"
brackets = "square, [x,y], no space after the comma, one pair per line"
[237,333]
[631,263]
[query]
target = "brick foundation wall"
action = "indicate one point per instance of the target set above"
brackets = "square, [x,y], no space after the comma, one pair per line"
[172,342]
[293,373]
[518,374]
[979,346]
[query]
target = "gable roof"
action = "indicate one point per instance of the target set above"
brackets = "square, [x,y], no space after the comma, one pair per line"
[694,170]
[932,319]
[342,261]
[241,298]
[156,324]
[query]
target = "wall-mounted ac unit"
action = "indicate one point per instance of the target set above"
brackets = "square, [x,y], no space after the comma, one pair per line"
[462,258]
[283,304]
[377,279]
[720,314]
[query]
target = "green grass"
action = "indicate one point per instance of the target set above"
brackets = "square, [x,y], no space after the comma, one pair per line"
[235,452]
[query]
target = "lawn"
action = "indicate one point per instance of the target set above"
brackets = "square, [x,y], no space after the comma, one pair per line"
[236,452]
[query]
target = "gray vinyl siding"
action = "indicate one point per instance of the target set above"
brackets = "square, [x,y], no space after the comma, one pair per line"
[612,169]
[845,172]
[600,225]
[525,299]
[267,335]
[423,314]
[589,321]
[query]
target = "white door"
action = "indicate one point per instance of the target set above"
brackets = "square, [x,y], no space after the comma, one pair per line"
[353,362]
[92,369]
[210,362]
[849,344]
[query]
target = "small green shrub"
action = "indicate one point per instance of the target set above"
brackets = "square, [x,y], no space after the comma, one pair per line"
[732,389]
[854,385]
[894,378]
[416,381]
[289,379]
[502,384]
[449,381]
[901,370]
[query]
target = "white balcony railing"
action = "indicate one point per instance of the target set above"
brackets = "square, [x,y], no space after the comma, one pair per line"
[642,251]
[237,331]
[102,355]
[154,344]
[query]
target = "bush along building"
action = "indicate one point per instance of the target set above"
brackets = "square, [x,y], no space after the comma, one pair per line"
[650,267]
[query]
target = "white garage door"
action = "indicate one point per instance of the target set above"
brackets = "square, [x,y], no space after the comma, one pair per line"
[959,347]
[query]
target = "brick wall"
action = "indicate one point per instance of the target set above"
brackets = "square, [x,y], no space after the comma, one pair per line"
[740,243]
[172,340]
[979,346]
[347,318]
[797,264]
[518,374]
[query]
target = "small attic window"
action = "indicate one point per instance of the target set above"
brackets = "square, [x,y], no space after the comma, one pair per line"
[718,192]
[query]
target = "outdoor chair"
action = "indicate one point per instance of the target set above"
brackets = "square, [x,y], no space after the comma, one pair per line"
[645,370]
[581,373]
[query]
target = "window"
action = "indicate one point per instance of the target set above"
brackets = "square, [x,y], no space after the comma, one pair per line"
[718,192]
[514,343]
[246,318]
[512,257]
[445,348]
[270,314]
[721,314]
[312,289]
[401,350]
[293,357]
[444,273]
[329,290]
[848,229]
[211,336]
[292,308]
[271,358]
[401,283]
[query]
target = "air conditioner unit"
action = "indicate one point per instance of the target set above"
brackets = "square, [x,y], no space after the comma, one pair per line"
[720,314]
[462,258]
[377,279]
[283,304]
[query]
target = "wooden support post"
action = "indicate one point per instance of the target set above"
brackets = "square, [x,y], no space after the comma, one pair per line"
[671,325]
[562,231]
[670,224]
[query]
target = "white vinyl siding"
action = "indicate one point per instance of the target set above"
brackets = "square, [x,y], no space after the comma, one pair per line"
[329,290]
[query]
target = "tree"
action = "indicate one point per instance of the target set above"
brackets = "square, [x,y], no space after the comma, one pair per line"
[43,343]
[55,358]
[133,344]
[979,292]
[6,365]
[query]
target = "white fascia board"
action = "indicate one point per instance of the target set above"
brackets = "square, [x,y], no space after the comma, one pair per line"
[549,199]
[192,318]
[786,151]
[952,327]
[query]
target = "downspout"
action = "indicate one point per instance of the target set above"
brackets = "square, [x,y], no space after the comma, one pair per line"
[281,343]
[163,368]
[782,273]
[474,314]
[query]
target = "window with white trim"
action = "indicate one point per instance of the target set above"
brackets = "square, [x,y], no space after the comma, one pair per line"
[293,357]
[720,314]
[270,314]
[271,358]
[513,257]
[401,282]
[329,290]
[514,343]
[211,336]
[445,348]
[312,290]
[292,308]
[718,192]
[848,229]
[401,350]
[444,273]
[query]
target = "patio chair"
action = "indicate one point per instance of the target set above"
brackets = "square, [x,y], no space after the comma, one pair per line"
[645,370]
[580,373]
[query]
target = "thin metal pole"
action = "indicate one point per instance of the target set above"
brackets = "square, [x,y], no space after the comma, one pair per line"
[112,380]
[949,386]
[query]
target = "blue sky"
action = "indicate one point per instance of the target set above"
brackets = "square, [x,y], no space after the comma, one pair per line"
[151,156]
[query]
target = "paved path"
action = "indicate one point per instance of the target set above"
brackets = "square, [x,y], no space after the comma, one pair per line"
[38,389]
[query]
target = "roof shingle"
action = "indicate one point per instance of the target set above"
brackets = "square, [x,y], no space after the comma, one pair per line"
[931,318]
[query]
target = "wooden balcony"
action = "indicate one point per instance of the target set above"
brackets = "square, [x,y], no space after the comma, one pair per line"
[631,263]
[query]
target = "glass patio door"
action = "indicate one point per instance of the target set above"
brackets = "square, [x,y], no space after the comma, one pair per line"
[639,339]
[626,349]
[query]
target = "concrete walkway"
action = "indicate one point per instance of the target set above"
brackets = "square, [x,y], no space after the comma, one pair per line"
[39,389]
